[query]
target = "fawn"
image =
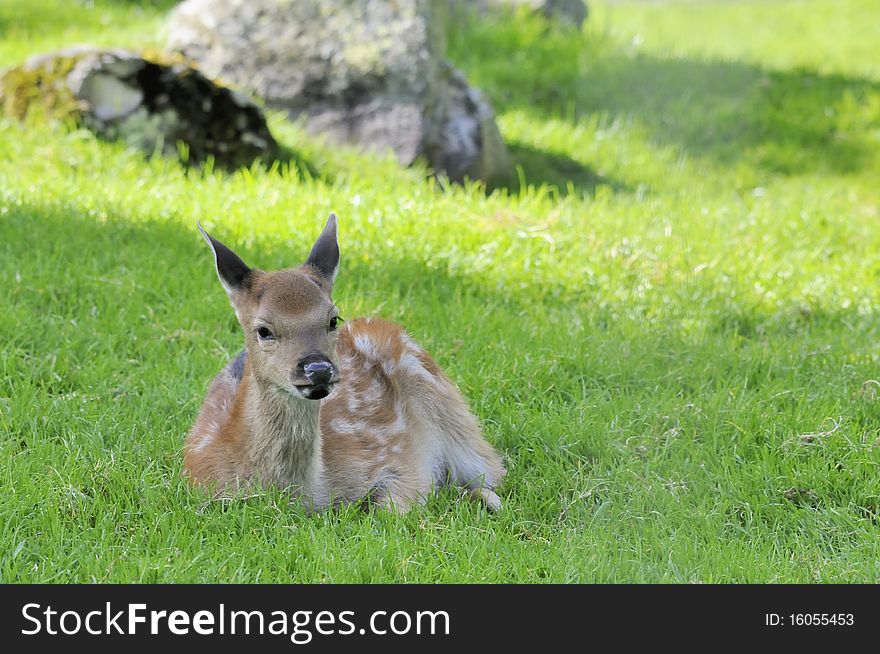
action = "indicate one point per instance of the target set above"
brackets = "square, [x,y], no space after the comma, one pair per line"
[393,428]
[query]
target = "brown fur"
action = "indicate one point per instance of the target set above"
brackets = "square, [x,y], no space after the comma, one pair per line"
[393,428]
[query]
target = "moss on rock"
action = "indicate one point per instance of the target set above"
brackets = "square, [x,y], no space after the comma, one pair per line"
[153,102]
[41,85]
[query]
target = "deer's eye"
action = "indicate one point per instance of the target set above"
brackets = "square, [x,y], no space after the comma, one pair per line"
[265,333]
[334,321]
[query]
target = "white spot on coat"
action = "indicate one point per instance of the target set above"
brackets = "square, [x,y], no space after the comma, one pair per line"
[207,439]
[365,345]
[341,426]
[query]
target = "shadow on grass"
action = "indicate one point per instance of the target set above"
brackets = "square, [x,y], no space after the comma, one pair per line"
[288,156]
[174,275]
[787,121]
[284,157]
[540,167]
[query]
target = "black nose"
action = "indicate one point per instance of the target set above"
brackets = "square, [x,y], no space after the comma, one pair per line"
[318,372]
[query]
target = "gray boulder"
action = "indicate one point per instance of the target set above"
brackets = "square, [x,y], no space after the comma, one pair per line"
[150,104]
[368,72]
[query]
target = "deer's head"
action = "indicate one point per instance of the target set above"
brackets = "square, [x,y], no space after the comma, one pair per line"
[288,317]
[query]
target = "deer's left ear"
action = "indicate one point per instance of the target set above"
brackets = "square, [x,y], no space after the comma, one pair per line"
[325,252]
[234,273]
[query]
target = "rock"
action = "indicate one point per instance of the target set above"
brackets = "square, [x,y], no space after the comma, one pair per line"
[368,72]
[573,12]
[150,104]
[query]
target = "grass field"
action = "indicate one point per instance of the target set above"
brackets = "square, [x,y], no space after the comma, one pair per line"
[668,322]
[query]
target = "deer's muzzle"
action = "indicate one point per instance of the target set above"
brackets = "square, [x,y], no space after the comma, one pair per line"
[314,377]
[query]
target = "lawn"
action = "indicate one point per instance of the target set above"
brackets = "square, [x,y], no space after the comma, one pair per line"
[667,320]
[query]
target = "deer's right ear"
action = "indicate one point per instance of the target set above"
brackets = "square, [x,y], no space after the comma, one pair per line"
[324,256]
[232,271]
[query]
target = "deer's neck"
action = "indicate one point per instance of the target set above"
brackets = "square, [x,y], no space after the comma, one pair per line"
[285,443]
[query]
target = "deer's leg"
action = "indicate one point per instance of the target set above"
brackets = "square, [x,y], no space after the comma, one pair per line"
[472,463]
[486,497]
[393,504]
[397,493]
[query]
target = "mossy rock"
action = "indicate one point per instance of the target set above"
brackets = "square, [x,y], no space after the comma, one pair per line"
[154,103]
[40,84]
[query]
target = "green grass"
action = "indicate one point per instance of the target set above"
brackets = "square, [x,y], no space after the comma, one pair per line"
[668,322]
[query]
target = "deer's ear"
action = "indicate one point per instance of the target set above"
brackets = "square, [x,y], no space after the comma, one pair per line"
[232,271]
[325,252]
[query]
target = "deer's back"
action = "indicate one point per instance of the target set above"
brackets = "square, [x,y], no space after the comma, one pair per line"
[373,430]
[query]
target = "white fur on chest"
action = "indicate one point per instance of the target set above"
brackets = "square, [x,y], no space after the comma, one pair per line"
[285,446]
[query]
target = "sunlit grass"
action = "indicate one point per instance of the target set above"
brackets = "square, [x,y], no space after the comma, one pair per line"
[666,320]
